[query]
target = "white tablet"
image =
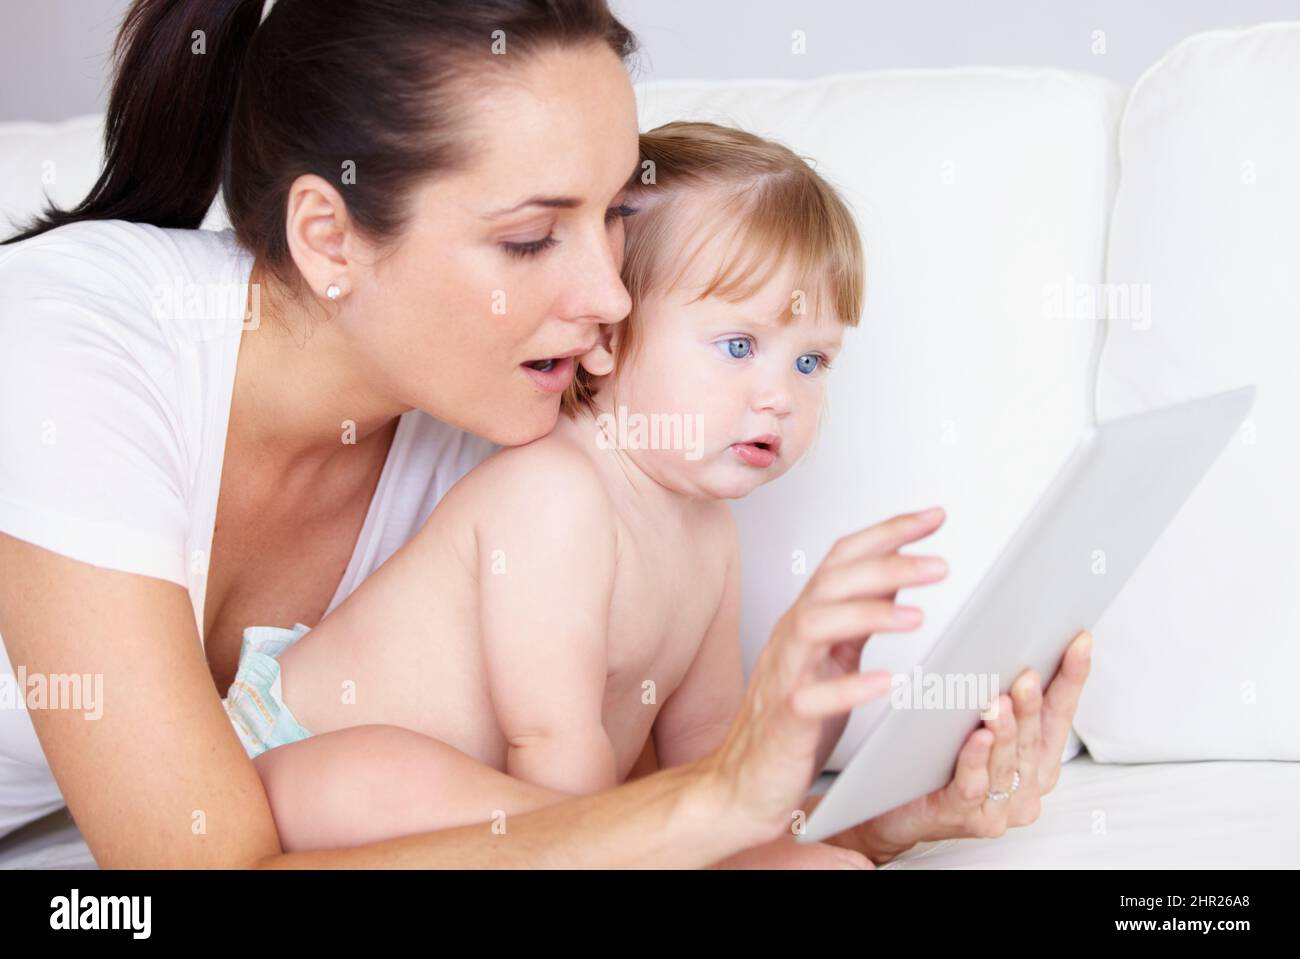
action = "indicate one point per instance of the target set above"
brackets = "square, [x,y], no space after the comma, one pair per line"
[1063,566]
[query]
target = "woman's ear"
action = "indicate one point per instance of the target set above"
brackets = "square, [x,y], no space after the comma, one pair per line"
[320,236]
[599,360]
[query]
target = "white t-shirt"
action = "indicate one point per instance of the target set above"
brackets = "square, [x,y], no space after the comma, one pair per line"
[118,345]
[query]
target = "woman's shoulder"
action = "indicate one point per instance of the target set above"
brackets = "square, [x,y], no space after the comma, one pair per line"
[117,248]
[133,284]
[108,259]
[110,401]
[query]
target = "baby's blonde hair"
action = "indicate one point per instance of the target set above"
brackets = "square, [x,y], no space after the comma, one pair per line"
[779,206]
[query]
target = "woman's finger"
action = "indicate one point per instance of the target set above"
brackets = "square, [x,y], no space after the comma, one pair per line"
[821,624]
[886,537]
[875,576]
[971,780]
[1027,694]
[832,697]
[1061,698]
[1002,761]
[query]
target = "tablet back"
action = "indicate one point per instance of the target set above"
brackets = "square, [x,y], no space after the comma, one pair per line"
[1065,563]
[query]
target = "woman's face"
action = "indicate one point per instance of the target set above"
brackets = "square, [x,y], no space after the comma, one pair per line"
[511,263]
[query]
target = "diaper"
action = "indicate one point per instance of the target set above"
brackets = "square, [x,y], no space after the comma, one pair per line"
[254,702]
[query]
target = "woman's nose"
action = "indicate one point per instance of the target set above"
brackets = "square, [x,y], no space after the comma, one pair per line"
[604,298]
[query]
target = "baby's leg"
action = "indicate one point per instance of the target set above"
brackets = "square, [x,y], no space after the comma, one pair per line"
[364,784]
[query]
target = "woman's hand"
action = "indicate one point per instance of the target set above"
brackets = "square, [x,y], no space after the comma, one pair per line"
[808,671]
[787,853]
[1027,740]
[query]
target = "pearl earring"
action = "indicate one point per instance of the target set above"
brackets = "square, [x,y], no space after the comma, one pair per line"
[332,291]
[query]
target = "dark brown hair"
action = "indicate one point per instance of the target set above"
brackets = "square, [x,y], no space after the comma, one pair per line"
[203,97]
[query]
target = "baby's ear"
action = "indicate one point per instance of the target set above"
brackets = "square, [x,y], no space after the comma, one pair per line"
[599,360]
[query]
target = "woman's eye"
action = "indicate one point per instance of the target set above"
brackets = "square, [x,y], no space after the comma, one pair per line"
[737,348]
[620,212]
[532,247]
[809,362]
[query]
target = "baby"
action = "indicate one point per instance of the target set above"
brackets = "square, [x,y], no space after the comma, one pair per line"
[571,598]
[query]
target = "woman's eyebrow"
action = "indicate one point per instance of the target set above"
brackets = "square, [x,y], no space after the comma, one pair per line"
[551,202]
[634,175]
[557,202]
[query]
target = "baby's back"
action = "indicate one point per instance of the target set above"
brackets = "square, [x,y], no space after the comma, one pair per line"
[538,592]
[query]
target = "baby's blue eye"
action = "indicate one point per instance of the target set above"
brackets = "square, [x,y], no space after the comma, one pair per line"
[808,363]
[738,348]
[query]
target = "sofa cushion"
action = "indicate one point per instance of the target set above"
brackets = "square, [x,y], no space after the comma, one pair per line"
[58,161]
[1198,657]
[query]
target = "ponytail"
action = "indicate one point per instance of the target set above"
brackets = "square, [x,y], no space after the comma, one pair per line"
[205,98]
[176,75]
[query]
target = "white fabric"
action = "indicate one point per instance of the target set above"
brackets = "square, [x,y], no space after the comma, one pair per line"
[1198,658]
[115,401]
[1210,815]
[1150,816]
[977,191]
[115,406]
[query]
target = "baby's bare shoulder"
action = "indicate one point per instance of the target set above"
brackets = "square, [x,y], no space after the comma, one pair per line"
[548,475]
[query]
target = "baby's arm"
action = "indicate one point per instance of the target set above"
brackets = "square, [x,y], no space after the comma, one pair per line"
[695,719]
[547,551]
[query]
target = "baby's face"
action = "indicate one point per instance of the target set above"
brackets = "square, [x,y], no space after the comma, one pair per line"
[742,386]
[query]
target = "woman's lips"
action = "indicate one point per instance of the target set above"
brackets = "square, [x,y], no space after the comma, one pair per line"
[754,455]
[554,380]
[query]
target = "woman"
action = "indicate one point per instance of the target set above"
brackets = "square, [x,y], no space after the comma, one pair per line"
[425,201]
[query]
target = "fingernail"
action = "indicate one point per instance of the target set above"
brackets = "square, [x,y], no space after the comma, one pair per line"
[934,512]
[933,566]
[1086,643]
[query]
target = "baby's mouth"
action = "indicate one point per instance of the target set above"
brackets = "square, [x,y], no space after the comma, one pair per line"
[760,451]
[543,366]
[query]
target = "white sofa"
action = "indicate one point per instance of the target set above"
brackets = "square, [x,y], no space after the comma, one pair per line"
[1043,247]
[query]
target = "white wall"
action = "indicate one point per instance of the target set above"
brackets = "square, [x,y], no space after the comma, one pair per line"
[54,56]
[54,53]
[718,39]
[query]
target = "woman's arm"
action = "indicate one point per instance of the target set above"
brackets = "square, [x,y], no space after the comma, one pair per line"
[485,818]
[160,779]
